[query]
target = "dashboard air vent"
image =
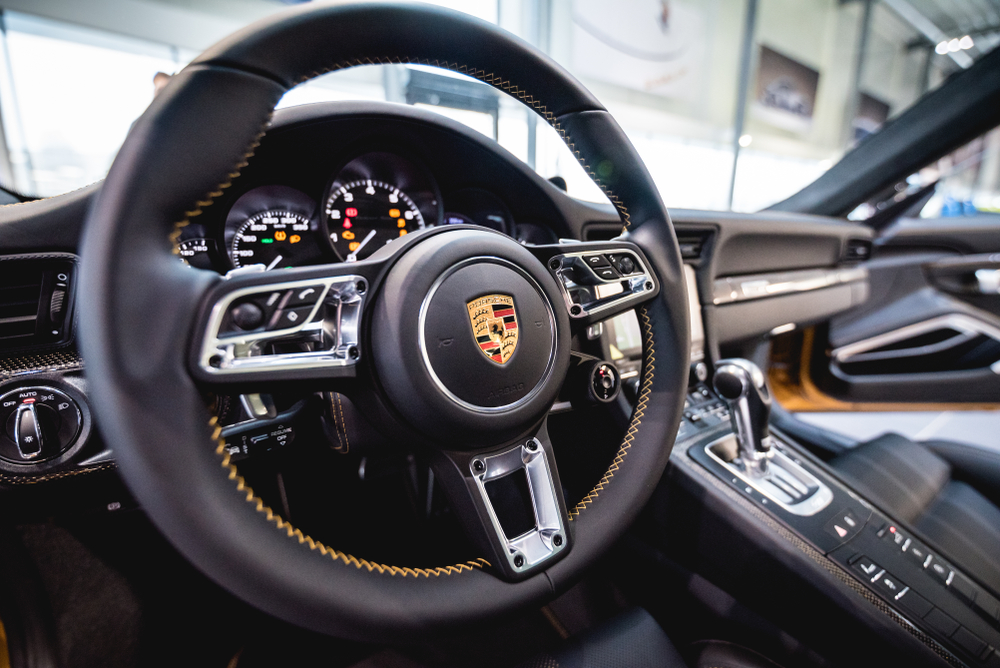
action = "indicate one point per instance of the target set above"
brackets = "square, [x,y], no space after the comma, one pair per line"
[691,243]
[858,250]
[34,301]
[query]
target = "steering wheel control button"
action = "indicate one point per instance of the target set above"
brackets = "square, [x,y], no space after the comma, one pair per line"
[606,273]
[595,261]
[305,296]
[247,316]
[39,423]
[291,317]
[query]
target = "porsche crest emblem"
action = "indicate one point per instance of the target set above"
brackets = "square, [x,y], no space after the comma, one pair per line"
[494,324]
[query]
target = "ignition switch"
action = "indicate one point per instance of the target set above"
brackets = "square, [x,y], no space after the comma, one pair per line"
[596,382]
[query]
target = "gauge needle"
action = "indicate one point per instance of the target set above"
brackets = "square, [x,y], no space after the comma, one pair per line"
[352,257]
[274,262]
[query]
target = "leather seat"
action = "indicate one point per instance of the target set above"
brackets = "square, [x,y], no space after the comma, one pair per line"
[942,490]
[633,639]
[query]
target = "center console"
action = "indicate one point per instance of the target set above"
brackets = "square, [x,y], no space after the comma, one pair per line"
[904,578]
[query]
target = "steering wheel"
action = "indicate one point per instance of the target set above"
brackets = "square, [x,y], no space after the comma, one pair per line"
[420,333]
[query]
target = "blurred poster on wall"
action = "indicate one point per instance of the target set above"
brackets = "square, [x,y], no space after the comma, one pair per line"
[785,93]
[872,113]
[656,46]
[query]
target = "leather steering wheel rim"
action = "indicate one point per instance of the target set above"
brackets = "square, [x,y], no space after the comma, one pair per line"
[138,303]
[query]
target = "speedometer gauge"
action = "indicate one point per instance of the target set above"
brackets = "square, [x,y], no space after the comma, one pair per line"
[364,215]
[276,239]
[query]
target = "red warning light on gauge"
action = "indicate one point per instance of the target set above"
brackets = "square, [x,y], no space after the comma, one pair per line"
[347,224]
[351,212]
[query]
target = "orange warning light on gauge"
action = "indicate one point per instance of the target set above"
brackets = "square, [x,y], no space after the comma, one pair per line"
[280,235]
[394,213]
[353,246]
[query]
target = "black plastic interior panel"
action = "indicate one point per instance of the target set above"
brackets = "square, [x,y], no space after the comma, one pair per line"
[742,320]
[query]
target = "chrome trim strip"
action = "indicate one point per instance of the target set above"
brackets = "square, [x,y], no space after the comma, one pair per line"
[759,286]
[425,304]
[966,326]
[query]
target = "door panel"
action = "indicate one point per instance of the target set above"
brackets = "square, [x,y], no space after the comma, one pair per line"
[930,332]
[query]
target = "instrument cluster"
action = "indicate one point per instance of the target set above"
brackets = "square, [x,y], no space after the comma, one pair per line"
[372,200]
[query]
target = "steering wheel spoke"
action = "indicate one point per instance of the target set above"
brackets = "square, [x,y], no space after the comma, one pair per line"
[511,504]
[258,328]
[599,280]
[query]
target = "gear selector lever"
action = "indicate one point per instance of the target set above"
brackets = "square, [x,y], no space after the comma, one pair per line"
[743,387]
[751,454]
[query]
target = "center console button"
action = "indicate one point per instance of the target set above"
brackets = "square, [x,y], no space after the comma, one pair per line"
[969,641]
[940,622]
[941,571]
[918,553]
[963,588]
[889,585]
[867,567]
[912,602]
[987,606]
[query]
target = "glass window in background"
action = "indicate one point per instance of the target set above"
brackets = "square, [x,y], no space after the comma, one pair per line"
[69,96]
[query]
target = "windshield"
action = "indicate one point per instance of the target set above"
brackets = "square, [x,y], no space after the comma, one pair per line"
[732,104]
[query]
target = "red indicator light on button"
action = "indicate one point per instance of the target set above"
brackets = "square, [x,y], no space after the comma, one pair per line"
[351,212]
[892,529]
[347,224]
[28,401]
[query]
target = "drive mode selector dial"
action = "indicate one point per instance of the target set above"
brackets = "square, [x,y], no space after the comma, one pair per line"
[38,423]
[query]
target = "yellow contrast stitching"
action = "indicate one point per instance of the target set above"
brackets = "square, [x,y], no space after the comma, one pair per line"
[313,544]
[210,197]
[345,443]
[649,365]
[551,119]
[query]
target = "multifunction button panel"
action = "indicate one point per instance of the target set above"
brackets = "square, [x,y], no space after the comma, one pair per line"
[599,283]
[253,329]
[926,589]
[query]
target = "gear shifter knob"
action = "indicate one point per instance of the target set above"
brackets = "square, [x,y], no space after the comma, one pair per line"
[742,385]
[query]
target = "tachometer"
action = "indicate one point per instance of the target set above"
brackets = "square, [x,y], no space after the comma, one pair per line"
[275,238]
[364,215]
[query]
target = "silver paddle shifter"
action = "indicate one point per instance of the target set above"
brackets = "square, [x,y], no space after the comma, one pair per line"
[742,385]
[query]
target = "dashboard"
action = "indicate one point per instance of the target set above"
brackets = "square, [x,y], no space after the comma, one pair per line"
[349,203]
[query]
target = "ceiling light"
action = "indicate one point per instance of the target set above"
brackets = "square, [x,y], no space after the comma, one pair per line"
[941,48]
[745,140]
[954,46]
[966,42]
